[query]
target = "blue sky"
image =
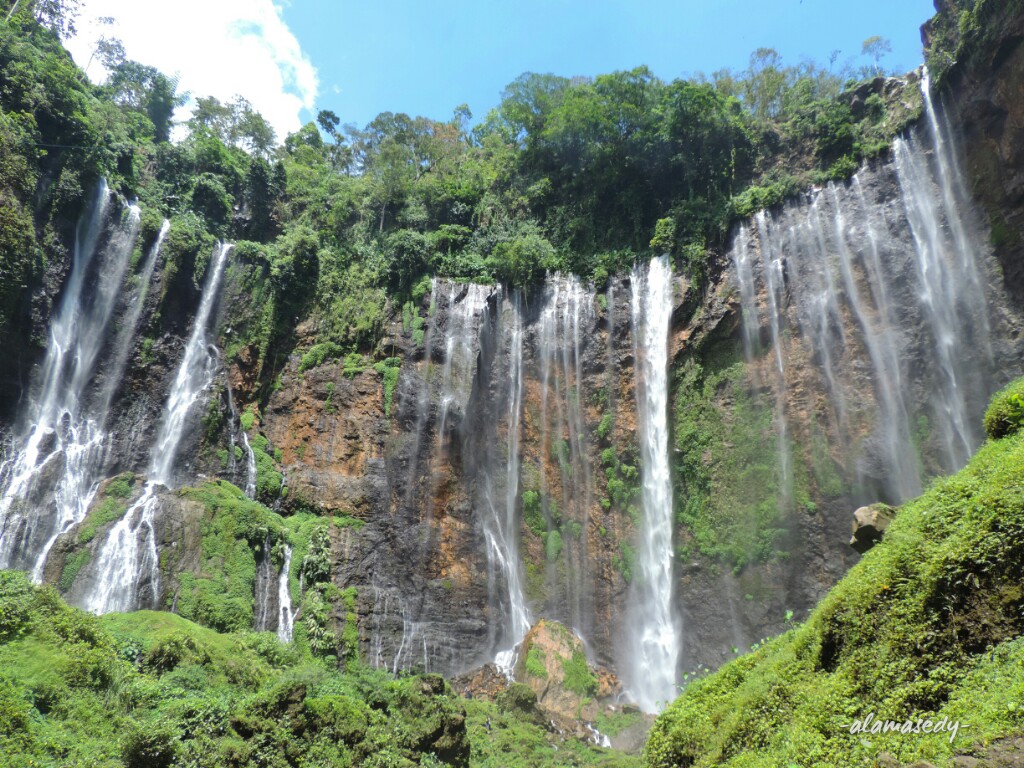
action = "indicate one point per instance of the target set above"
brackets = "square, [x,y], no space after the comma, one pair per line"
[425,57]
[428,57]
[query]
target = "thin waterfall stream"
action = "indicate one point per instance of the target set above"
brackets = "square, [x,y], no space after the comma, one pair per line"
[124,560]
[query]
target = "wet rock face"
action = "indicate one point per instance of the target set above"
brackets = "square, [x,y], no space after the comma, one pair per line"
[984,99]
[71,565]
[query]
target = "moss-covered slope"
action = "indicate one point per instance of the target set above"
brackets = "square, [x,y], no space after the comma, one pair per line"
[927,625]
[153,689]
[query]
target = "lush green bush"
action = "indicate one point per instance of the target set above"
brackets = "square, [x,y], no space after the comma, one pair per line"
[1005,414]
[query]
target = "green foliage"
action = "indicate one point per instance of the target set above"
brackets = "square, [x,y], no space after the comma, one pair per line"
[730,494]
[625,561]
[535,663]
[533,515]
[552,545]
[1005,414]
[320,354]
[104,512]
[121,486]
[388,370]
[233,530]
[578,677]
[927,624]
[154,689]
[72,565]
[664,240]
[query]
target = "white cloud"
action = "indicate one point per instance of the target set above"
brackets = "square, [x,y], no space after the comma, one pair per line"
[217,47]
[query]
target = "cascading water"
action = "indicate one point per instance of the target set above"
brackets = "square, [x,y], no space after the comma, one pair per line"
[250,467]
[124,562]
[273,604]
[501,523]
[568,308]
[867,288]
[49,483]
[285,615]
[651,662]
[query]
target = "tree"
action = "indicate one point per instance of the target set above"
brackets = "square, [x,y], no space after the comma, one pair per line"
[145,89]
[236,124]
[877,48]
[56,15]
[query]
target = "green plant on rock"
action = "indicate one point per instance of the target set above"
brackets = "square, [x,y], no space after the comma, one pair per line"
[388,370]
[535,663]
[578,677]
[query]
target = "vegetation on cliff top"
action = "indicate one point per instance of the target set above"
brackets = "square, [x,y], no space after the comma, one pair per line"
[577,174]
[928,624]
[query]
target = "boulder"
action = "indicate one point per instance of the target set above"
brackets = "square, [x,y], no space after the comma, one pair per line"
[869,524]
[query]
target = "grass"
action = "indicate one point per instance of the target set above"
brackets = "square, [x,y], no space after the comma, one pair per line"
[928,624]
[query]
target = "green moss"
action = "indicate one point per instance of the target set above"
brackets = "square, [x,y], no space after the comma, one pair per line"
[552,545]
[121,486]
[625,561]
[730,498]
[535,663]
[247,418]
[928,624]
[268,477]
[72,566]
[152,689]
[578,677]
[532,514]
[233,531]
[106,511]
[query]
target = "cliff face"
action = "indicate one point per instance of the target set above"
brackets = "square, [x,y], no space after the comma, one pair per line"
[482,470]
[984,92]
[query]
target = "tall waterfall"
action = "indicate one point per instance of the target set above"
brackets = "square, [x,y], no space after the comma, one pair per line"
[567,310]
[50,481]
[654,630]
[125,563]
[501,519]
[888,302]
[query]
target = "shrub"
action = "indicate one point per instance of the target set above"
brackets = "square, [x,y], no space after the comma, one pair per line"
[1005,414]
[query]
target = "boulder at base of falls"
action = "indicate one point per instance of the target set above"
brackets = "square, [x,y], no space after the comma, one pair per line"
[869,524]
[553,662]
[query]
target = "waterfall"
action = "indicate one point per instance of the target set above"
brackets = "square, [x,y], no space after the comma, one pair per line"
[273,605]
[501,521]
[285,615]
[263,591]
[50,481]
[124,563]
[130,322]
[250,467]
[566,498]
[650,668]
[466,304]
[888,302]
